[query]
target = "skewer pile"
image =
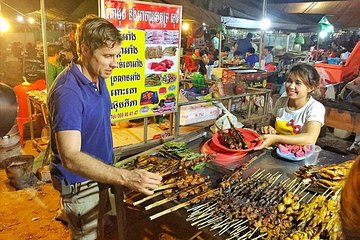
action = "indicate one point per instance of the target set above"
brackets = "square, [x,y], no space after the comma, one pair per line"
[319,219]
[326,176]
[246,211]
[166,166]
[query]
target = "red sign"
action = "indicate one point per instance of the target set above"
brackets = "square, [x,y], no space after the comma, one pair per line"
[137,15]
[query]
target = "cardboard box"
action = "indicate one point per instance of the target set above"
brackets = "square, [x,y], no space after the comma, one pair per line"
[198,112]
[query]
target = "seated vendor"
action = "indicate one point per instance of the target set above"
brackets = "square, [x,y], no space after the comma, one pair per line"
[203,61]
[251,57]
[268,56]
[297,117]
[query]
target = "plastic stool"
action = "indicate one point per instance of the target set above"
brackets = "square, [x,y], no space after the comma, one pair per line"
[20,122]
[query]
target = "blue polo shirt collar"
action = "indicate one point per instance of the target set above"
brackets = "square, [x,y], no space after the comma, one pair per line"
[84,80]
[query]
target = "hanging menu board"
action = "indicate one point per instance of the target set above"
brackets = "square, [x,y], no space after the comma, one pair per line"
[145,82]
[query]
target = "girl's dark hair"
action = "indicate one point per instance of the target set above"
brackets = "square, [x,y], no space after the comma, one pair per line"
[350,203]
[203,52]
[307,74]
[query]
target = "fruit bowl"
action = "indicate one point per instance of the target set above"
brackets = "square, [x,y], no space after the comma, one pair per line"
[249,136]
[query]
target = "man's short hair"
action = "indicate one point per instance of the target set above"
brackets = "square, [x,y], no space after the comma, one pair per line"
[249,35]
[268,48]
[53,49]
[251,50]
[96,32]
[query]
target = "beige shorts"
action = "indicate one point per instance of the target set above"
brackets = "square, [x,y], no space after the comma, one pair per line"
[81,207]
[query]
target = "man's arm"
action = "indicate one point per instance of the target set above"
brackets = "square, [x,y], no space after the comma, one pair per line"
[69,145]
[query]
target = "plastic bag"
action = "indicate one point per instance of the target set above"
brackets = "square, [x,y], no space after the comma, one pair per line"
[223,122]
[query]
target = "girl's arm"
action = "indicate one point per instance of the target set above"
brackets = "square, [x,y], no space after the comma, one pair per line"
[309,136]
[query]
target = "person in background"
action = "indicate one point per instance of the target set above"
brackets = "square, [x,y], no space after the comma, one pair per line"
[216,41]
[66,57]
[297,117]
[232,51]
[350,203]
[268,57]
[251,57]
[30,50]
[13,66]
[244,44]
[54,66]
[81,139]
[203,61]
[225,52]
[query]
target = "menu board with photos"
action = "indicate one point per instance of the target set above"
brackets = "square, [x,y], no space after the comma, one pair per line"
[146,80]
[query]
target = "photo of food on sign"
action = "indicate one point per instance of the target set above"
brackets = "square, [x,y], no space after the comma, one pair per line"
[166,105]
[154,36]
[171,37]
[161,66]
[161,36]
[153,80]
[169,78]
[152,52]
[149,97]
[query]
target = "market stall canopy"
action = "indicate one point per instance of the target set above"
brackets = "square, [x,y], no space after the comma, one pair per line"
[73,10]
[342,14]
[56,10]
[247,14]
[194,12]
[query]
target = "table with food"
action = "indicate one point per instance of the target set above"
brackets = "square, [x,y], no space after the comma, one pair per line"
[227,190]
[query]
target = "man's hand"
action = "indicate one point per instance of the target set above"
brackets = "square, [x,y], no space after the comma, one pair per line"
[267,130]
[142,181]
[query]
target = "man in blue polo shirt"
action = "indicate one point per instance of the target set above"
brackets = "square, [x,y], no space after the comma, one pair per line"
[242,45]
[81,141]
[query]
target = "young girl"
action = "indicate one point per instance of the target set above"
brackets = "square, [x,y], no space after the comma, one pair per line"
[297,117]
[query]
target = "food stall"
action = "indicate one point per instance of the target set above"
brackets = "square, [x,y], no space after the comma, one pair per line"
[256,196]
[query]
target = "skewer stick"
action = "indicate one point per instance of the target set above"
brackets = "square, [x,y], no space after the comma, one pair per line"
[173,209]
[303,197]
[217,225]
[283,182]
[253,232]
[239,230]
[185,204]
[239,226]
[260,236]
[245,235]
[208,223]
[147,198]
[220,224]
[313,196]
[223,229]
[291,184]
[201,220]
[198,207]
[166,186]
[221,232]
[273,182]
[161,202]
[306,187]
[199,214]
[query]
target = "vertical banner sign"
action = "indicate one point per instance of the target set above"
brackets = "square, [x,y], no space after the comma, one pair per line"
[146,80]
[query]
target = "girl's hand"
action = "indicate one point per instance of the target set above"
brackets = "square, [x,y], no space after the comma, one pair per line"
[267,130]
[268,140]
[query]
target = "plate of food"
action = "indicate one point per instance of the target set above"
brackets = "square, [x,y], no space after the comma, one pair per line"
[236,139]
[294,152]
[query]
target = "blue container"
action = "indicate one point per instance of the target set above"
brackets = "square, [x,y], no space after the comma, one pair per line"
[334,61]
